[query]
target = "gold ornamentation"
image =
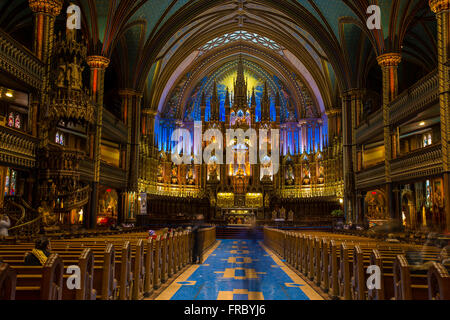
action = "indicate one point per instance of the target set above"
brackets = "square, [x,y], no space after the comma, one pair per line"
[389,59]
[438,6]
[98,62]
[69,99]
[52,7]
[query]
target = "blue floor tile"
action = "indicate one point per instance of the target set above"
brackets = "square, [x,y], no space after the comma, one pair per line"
[253,270]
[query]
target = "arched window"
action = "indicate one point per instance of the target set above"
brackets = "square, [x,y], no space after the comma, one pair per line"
[15,120]
[10,183]
[427,139]
[18,122]
[60,139]
[11,120]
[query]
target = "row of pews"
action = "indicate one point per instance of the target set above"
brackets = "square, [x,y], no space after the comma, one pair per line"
[338,264]
[115,267]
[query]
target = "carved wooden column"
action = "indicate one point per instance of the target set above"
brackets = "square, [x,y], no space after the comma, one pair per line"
[389,65]
[442,10]
[97,65]
[131,102]
[351,103]
[45,12]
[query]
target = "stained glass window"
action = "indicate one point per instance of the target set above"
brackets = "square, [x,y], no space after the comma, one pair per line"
[12,186]
[18,122]
[59,138]
[11,120]
[14,120]
[7,182]
[10,183]
[427,139]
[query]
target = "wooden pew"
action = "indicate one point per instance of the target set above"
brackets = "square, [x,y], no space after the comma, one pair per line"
[85,262]
[8,279]
[86,291]
[40,283]
[157,262]
[438,282]
[149,268]
[138,262]
[409,285]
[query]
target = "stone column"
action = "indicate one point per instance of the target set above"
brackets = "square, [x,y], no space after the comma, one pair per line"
[97,65]
[442,10]
[389,65]
[351,103]
[131,102]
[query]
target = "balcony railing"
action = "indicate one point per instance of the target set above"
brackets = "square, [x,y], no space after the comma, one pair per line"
[422,162]
[423,94]
[73,200]
[372,176]
[420,96]
[18,61]
[17,148]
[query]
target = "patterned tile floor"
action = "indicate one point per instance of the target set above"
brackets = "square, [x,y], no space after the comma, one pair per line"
[239,270]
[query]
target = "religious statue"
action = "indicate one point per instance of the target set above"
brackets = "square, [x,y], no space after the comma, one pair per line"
[190,176]
[321,178]
[291,215]
[212,172]
[283,213]
[61,73]
[76,74]
[306,177]
[174,178]
[266,201]
[160,177]
[289,175]
[274,215]
[48,217]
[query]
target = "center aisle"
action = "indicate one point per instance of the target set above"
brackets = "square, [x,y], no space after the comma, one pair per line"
[239,270]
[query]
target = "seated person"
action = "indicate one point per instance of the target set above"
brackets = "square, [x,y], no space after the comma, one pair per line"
[39,255]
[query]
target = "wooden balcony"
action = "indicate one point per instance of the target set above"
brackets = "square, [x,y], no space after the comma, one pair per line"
[19,62]
[17,148]
[59,162]
[420,163]
[109,175]
[422,95]
[371,177]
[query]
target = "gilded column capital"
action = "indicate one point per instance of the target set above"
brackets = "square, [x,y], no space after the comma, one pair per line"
[52,7]
[332,112]
[438,6]
[392,59]
[130,92]
[98,62]
[353,93]
[150,112]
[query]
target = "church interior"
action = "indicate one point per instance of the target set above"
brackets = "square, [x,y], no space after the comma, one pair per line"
[312,136]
